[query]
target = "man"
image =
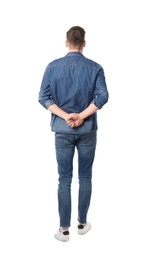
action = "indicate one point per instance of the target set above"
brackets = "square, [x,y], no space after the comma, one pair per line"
[73,88]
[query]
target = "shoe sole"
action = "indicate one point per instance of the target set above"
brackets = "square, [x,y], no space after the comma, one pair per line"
[62,239]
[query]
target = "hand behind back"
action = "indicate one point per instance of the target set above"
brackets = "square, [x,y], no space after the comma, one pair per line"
[73,120]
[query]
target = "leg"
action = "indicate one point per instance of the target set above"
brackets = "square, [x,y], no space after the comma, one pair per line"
[65,148]
[86,147]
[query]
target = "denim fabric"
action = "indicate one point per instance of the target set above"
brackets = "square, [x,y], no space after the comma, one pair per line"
[73,82]
[65,148]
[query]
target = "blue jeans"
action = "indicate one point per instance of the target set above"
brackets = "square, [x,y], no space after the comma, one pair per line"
[65,145]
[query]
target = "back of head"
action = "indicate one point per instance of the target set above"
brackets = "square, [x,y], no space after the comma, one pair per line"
[76,36]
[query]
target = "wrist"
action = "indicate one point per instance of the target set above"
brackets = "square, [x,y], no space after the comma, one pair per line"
[81,116]
[66,116]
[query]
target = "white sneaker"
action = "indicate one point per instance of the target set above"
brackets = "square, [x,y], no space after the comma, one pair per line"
[62,236]
[84,228]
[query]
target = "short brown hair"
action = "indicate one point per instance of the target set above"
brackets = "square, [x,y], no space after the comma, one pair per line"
[76,36]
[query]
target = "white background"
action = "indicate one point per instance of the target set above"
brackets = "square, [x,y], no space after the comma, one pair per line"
[32,34]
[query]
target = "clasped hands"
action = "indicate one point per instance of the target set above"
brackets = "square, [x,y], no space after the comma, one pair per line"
[73,120]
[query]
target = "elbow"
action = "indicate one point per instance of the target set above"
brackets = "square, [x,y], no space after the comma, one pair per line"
[101,101]
[106,98]
[46,103]
[42,103]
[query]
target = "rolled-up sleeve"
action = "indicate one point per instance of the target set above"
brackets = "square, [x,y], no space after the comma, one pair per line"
[101,94]
[45,96]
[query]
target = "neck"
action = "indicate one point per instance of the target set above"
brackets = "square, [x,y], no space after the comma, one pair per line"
[75,50]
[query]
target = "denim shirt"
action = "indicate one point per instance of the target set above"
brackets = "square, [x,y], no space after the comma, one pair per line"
[73,82]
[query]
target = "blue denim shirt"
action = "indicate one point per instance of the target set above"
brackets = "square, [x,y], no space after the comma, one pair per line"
[73,82]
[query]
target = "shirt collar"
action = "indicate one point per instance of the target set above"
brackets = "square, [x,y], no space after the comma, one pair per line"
[73,53]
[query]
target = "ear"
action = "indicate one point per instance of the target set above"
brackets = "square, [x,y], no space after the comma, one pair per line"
[84,45]
[66,43]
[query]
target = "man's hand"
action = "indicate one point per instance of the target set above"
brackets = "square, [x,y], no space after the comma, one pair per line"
[73,120]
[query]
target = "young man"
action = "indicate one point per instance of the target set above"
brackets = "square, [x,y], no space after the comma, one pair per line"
[73,88]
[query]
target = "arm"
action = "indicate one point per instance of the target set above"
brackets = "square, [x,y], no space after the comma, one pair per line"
[46,100]
[101,94]
[91,109]
[75,119]
[45,96]
[100,99]
[69,118]
[54,109]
